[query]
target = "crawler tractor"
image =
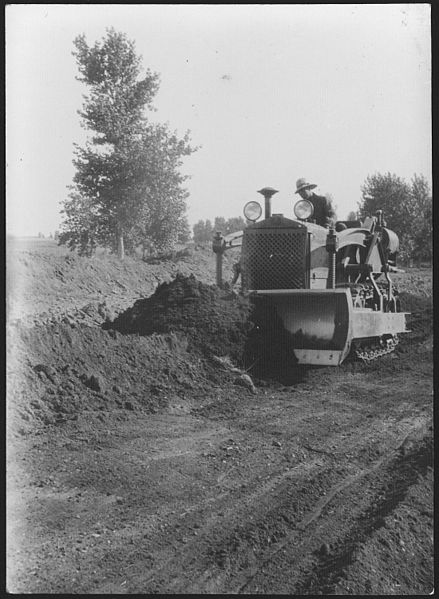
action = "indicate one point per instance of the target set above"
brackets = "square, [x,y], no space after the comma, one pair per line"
[331,287]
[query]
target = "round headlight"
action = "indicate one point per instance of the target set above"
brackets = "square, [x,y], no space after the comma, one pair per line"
[303,209]
[252,211]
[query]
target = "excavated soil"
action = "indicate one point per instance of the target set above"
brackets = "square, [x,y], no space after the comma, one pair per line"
[214,322]
[159,441]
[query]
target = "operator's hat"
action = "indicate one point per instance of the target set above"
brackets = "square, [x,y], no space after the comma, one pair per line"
[303,184]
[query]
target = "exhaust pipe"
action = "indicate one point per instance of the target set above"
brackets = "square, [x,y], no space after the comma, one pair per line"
[267,192]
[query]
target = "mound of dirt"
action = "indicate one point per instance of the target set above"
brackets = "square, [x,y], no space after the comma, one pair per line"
[43,277]
[420,308]
[59,372]
[85,361]
[214,321]
[82,366]
[85,365]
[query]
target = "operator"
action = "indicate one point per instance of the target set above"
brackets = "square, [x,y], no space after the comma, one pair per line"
[324,213]
[236,271]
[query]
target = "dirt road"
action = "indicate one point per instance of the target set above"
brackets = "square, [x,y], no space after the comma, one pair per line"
[135,467]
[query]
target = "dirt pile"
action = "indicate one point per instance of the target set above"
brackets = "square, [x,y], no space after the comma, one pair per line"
[214,321]
[86,366]
[58,372]
[75,358]
[415,293]
[42,276]
[420,308]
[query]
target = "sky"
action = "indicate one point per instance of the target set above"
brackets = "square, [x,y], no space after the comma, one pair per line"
[270,93]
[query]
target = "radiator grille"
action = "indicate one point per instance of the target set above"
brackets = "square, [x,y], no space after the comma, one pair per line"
[273,259]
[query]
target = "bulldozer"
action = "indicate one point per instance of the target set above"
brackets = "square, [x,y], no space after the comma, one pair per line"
[330,287]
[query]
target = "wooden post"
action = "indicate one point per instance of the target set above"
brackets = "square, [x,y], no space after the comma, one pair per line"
[218,248]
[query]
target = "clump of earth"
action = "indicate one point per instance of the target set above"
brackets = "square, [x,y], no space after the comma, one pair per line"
[215,322]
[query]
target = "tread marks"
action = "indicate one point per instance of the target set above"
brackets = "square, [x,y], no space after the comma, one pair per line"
[404,471]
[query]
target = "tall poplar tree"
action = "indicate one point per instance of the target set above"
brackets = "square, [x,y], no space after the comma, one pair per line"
[128,188]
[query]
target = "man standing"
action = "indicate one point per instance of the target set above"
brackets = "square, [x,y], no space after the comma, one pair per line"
[324,214]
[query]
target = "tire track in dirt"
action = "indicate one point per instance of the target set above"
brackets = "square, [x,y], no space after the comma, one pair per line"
[396,463]
[403,472]
[212,579]
[256,503]
[234,510]
[237,511]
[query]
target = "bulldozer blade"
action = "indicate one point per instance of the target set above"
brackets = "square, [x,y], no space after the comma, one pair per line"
[323,323]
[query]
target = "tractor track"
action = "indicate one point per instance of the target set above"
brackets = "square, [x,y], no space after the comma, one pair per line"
[403,471]
[275,499]
[245,532]
[402,468]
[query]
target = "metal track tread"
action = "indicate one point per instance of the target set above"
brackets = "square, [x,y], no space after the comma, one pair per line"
[369,353]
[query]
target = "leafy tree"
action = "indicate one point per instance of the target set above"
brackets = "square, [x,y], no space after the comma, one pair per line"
[127,189]
[230,225]
[352,216]
[423,224]
[184,232]
[236,223]
[406,208]
[203,231]
[390,194]
[220,224]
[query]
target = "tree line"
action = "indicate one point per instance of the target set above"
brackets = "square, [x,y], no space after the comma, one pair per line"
[128,190]
[203,231]
[407,208]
